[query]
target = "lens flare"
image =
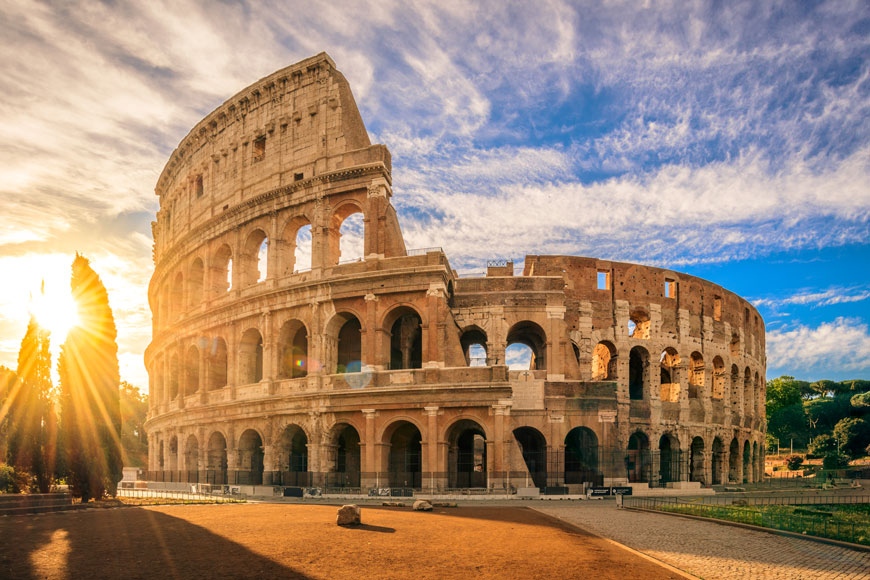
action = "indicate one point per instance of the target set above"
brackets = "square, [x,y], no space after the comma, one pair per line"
[55,310]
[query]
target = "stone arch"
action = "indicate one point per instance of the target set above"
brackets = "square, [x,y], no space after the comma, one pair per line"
[697,375]
[604,362]
[669,371]
[161,464]
[638,458]
[718,378]
[533,445]
[719,462]
[216,458]
[404,326]
[195,285]
[747,462]
[221,271]
[293,361]
[191,454]
[173,453]
[404,461]
[466,454]
[344,343]
[581,457]
[251,357]
[250,453]
[296,245]
[670,464]
[174,375]
[191,370]
[735,388]
[734,346]
[217,364]
[291,458]
[638,374]
[253,264]
[734,461]
[530,334]
[697,460]
[473,340]
[639,324]
[343,455]
[176,296]
[748,399]
[339,215]
[756,468]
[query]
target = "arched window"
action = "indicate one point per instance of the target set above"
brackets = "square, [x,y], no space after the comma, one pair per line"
[639,324]
[174,376]
[222,272]
[191,371]
[735,346]
[529,335]
[217,364]
[670,380]
[176,297]
[195,284]
[718,378]
[473,341]
[697,375]
[344,339]
[748,399]
[295,254]
[251,357]
[346,234]
[604,362]
[406,339]
[255,258]
[638,373]
[293,349]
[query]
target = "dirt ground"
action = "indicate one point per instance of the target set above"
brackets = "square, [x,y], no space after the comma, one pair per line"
[274,541]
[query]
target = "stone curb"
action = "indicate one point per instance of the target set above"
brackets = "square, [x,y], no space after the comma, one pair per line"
[662,563]
[817,539]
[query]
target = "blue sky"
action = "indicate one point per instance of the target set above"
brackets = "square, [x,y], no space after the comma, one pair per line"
[729,140]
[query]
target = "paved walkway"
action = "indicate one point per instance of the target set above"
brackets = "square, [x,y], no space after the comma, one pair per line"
[714,551]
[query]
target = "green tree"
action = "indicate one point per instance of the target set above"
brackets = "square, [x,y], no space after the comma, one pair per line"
[89,381]
[782,392]
[789,424]
[861,402]
[134,408]
[824,413]
[822,445]
[853,434]
[7,381]
[32,427]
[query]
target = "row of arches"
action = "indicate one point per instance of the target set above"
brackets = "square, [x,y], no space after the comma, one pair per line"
[257,258]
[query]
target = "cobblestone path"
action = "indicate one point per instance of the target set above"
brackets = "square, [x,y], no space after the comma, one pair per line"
[713,551]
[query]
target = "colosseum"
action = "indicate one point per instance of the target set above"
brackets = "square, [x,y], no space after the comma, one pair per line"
[283,355]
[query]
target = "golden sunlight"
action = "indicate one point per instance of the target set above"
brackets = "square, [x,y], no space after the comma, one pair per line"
[55,310]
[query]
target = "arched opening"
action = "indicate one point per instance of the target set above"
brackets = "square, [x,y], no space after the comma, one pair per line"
[747,463]
[638,373]
[345,333]
[216,460]
[217,364]
[718,462]
[173,454]
[347,234]
[293,350]
[251,357]
[697,457]
[296,246]
[697,375]
[250,455]
[735,388]
[734,461]
[604,362]
[293,457]
[748,408]
[718,378]
[638,324]
[638,460]
[581,457]
[756,467]
[406,339]
[160,457]
[532,336]
[534,450]
[473,341]
[466,455]
[734,347]
[302,249]
[222,272]
[670,466]
[191,458]
[255,258]
[176,296]
[195,284]
[174,376]
[191,370]
[760,396]
[405,468]
[345,464]
[669,373]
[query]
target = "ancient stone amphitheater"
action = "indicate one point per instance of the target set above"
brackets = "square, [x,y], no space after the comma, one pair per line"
[276,360]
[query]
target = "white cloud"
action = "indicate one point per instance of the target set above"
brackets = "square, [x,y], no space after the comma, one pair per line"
[827,297]
[843,344]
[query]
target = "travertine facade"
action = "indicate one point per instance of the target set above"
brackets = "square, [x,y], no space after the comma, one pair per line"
[390,370]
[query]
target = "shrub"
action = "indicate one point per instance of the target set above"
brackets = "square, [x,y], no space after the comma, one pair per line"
[822,445]
[835,461]
[854,434]
[794,462]
[8,479]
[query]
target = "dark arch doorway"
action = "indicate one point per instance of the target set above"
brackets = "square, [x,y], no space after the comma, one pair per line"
[581,457]
[345,457]
[534,449]
[670,464]
[293,457]
[250,459]
[466,455]
[697,460]
[637,459]
[405,467]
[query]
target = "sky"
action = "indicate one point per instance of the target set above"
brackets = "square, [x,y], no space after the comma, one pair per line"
[728,140]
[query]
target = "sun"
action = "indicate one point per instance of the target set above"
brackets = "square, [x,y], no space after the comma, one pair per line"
[54,310]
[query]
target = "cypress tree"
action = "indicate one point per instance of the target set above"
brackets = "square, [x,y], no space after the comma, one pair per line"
[89,382]
[31,419]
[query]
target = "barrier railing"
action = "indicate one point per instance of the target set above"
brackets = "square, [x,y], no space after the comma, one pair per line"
[182,496]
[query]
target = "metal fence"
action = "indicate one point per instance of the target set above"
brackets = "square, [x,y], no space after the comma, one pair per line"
[778,499]
[821,525]
[181,496]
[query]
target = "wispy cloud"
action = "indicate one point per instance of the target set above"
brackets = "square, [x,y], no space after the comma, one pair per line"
[843,344]
[827,297]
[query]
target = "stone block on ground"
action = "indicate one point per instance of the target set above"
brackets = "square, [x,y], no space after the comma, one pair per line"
[349,515]
[421,505]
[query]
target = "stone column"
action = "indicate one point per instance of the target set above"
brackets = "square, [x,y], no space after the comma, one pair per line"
[554,357]
[430,450]
[370,343]
[369,467]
